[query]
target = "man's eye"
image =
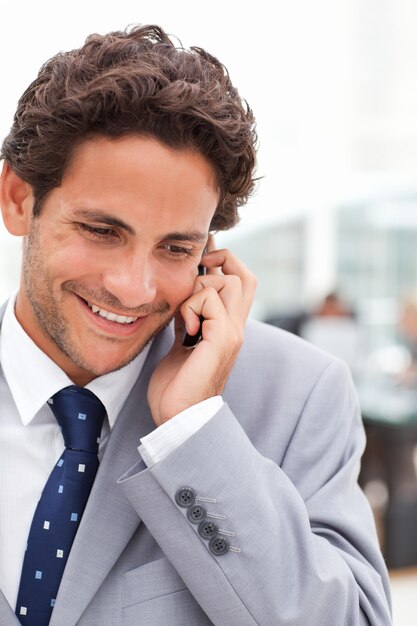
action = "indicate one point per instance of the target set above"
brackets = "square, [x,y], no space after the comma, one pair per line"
[177,250]
[98,232]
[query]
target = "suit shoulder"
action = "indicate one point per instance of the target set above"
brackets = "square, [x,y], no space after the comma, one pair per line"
[271,342]
[270,353]
[275,376]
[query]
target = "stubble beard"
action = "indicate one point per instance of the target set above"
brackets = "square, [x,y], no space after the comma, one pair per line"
[50,317]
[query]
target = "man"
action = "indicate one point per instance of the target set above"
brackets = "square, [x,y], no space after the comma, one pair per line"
[241,505]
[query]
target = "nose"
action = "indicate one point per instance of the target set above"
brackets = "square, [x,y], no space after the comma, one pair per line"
[132,279]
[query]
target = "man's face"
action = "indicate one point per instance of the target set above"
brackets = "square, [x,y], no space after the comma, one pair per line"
[114,252]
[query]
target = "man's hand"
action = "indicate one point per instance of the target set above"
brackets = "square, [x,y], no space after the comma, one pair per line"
[223,297]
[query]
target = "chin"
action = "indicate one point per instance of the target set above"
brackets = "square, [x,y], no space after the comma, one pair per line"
[103,362]
[105,366]
[92,358]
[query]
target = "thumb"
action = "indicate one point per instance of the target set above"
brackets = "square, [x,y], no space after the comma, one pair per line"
[179,328]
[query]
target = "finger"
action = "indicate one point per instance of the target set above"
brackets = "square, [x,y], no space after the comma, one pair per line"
[220,327]
[210,247]
[211,244]
[229,290]
[205,303]
[226,260]
[181,329]
[231,265]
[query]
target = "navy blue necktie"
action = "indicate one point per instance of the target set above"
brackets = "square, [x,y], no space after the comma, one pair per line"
[80,415]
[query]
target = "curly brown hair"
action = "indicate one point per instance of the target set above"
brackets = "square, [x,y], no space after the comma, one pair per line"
[134,81]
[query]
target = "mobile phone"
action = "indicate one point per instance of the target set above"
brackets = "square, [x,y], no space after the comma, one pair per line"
[190,341]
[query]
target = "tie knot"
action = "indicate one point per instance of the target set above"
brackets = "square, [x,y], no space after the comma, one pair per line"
[80,415]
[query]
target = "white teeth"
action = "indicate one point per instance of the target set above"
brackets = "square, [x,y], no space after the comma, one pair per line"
[125,320]
[112,317]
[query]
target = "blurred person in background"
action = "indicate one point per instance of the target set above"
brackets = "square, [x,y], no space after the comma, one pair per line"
[227,487]
[332,305]
[407,331]
[332,326]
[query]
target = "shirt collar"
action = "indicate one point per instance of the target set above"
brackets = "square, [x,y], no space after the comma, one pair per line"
[33,377]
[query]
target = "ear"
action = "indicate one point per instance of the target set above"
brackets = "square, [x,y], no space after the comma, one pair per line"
[16,200]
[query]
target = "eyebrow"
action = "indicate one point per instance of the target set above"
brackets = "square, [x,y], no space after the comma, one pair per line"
[193,236]
[103,218]
[110,220]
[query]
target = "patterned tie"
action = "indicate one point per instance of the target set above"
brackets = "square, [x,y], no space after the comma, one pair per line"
[80,415]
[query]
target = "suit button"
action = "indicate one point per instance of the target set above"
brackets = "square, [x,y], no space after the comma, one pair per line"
[185,497]
[207,529]
[196,513]
[218,546]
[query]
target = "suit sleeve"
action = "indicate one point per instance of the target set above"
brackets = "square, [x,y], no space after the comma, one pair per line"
[301,543]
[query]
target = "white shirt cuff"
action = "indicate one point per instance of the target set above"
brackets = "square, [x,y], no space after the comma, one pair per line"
[166,438]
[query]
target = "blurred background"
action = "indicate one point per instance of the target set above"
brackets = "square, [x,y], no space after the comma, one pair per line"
[331,232]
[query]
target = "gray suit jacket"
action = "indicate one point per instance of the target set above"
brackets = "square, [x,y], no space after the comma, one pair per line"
[278,466]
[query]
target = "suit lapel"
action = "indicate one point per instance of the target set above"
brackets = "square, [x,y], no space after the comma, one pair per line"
[109,521]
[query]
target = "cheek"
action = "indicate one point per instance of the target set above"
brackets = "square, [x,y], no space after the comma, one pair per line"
[70,260]
[179,285]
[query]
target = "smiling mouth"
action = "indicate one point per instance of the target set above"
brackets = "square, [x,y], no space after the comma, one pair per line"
[112,317]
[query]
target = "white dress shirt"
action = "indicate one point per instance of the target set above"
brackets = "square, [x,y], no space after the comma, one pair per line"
[31,440]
